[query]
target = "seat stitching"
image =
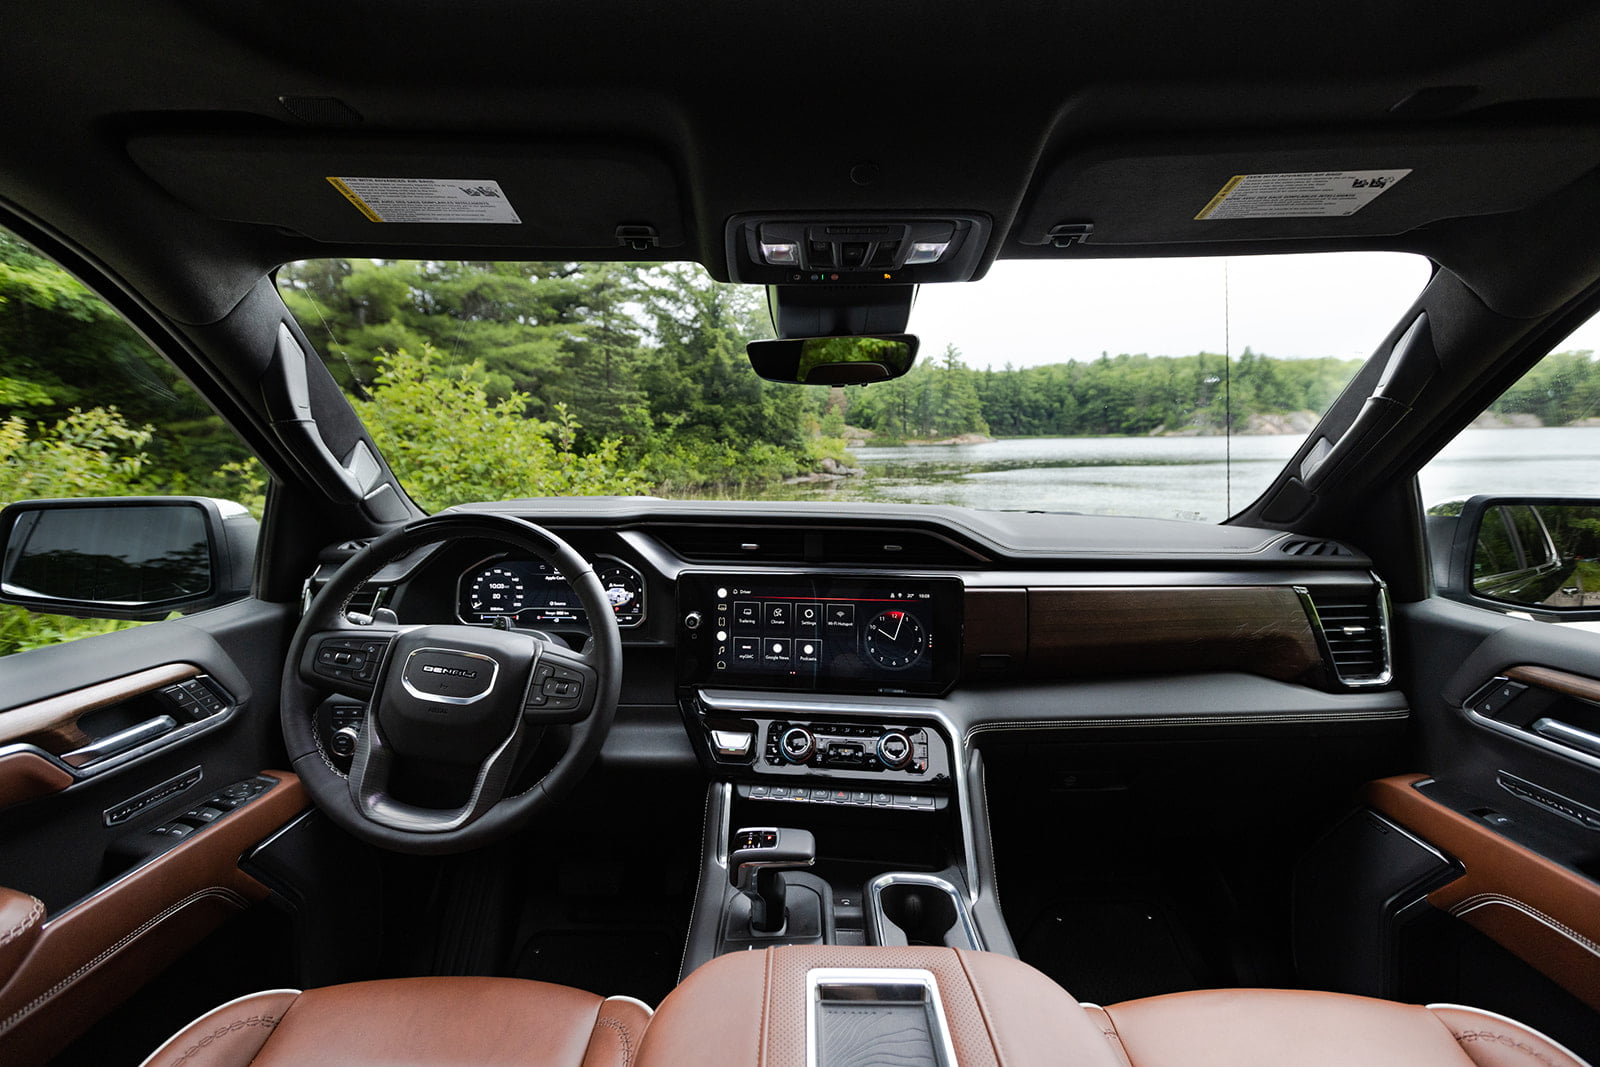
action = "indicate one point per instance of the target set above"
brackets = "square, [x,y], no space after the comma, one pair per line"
[1481,900]
[1501,1041]
[1108,1029]
[259,1019]
[22,926]
[127,939]
[766,999]
[622,1032]
[983,1007]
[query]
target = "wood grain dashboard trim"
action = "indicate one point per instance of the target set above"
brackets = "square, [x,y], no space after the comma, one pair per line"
[1572,685]
[52,723]
[1261,630]
[1540,911]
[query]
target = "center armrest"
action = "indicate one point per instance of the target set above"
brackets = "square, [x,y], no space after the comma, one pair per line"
[751,1007]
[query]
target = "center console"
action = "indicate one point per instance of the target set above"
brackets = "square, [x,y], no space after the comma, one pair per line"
[813,702]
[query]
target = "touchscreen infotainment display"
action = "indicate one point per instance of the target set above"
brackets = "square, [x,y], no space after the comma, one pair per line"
[822,633]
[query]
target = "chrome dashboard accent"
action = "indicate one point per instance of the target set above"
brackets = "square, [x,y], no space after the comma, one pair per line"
[1529,738]
[874,892]
[120,741]
[1385,635]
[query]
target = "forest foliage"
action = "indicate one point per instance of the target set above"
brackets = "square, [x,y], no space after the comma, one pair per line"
[484,380]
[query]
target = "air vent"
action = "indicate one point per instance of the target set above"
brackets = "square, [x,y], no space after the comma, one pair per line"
[1354,630]
[1314,548]
[829,546]
[897,548]
[733,544]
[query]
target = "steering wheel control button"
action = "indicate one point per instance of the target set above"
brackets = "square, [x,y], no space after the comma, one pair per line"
[346,659]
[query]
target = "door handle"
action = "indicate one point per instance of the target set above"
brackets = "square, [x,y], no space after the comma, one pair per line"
[138,734]
[1568,735]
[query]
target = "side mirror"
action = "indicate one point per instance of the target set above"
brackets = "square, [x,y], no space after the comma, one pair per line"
[125,557]
[834,360]
[1537,554]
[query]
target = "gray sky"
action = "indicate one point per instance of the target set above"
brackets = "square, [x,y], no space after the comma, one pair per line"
[1298,306]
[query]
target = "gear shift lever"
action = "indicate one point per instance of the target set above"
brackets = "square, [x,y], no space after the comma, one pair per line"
[759,853]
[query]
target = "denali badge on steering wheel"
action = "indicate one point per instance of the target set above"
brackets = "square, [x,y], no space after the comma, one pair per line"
[449,676]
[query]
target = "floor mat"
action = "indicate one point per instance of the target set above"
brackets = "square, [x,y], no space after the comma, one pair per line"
[1107,951]
[640,963]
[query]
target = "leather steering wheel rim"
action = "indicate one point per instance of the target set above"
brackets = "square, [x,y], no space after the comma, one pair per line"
[300,694]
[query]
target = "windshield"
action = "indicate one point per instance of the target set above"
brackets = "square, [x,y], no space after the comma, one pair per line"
[1163,388]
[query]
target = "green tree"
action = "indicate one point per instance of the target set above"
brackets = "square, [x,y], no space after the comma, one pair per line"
[450,442]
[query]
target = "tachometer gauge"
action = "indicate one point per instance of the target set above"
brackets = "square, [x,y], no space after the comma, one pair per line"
[894,640]
[532,593]
[624,588]
[493,591]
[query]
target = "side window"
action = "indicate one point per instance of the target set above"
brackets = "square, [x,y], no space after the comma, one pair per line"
[1513,503]
[89,410]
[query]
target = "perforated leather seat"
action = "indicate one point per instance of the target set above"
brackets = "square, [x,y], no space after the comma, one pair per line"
[415,1021]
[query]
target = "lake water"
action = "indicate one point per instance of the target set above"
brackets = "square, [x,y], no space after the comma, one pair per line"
[1188,477]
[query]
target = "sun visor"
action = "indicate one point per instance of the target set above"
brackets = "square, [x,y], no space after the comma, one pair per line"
[1325,186]
[416,192]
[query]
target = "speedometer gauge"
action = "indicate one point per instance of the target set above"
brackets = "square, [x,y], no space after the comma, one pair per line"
[493,591]
[532,593]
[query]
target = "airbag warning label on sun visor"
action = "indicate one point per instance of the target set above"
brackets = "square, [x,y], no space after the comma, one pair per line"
[1317,194]
[449,200]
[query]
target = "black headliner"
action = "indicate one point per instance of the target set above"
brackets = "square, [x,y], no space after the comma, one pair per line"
[764,107]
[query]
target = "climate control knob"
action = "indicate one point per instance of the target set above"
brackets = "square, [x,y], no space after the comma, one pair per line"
[894,750]
[797,744]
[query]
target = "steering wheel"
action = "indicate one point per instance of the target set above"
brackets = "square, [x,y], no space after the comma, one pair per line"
[447,701]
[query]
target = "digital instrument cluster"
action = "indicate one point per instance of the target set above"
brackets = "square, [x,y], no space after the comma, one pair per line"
[816,632]
[532,593]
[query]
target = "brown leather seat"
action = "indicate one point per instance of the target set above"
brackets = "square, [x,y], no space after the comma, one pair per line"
[415,1021]
[749,1008]
[1261,1027]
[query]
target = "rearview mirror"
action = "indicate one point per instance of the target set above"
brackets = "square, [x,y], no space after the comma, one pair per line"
[1540,554]
[834,360]
[136,558]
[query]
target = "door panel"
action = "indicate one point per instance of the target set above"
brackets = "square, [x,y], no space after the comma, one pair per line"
[86,959]
[1509,804]
[117,902]
[1540,911]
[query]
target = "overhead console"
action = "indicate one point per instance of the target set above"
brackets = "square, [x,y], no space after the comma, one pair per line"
[856,249]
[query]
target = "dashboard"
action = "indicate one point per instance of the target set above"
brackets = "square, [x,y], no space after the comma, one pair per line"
[872,645]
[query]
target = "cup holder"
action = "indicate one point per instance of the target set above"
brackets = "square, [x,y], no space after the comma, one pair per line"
[919,909]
